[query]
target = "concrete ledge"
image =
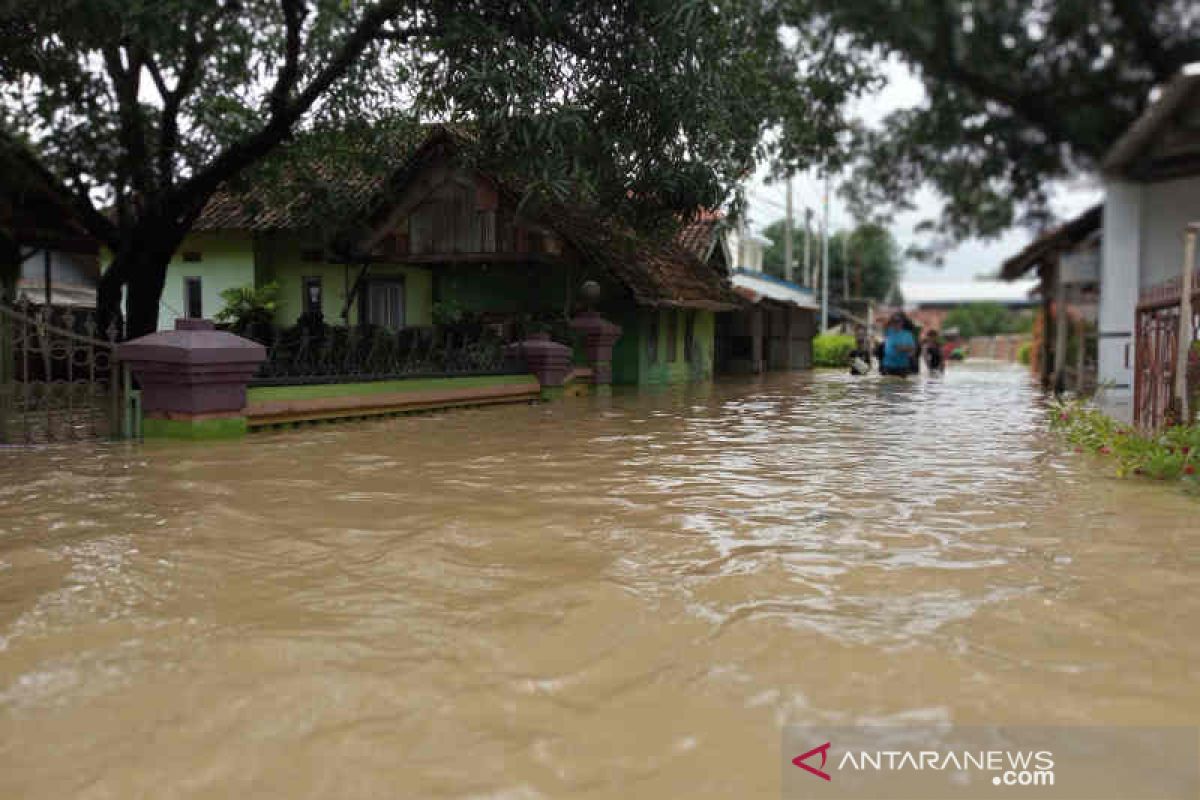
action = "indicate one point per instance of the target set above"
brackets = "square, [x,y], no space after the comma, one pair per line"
[281,405]
[195,428]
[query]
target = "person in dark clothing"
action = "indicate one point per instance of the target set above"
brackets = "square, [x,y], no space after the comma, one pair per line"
[931,348]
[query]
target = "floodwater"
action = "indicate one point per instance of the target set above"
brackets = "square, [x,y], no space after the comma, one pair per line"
[610,598]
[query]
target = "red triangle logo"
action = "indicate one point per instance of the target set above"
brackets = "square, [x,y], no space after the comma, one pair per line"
[800,759]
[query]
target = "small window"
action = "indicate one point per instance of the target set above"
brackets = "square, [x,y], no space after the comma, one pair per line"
[672,335]
[192,256]
[192,302]
[312,295]
[652,338]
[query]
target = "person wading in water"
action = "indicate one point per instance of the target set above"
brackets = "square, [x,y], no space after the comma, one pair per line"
[899,347]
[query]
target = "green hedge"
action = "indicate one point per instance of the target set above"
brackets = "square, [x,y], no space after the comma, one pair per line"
[1025,353]
[832,350]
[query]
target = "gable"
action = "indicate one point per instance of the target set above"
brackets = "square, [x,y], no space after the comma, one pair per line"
[447,210]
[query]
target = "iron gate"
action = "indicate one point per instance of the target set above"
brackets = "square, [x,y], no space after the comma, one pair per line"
[59,377]
[1156,351]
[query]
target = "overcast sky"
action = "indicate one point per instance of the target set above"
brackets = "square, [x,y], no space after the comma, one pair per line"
[965,263]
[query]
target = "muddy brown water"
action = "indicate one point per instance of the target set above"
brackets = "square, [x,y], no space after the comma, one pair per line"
[622,597]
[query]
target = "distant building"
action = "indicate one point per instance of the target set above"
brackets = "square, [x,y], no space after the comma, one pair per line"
[775,326]
[928,303]
[1066,262]
[46,256]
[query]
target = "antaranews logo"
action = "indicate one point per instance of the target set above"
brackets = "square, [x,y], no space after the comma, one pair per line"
[800,759]
[1006,767]
[950,762]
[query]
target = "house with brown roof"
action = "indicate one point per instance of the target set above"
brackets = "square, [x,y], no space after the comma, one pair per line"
[427,236]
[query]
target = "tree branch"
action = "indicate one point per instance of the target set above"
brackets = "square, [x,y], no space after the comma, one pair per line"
[188,78]
[294,12]
[241,154]
[126,82]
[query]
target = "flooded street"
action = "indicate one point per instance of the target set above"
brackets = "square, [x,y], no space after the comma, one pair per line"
[622,597]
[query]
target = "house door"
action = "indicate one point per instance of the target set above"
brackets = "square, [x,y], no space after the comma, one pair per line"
[385,303]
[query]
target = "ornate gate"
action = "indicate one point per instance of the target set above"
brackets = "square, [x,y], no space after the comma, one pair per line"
[59,378]
[1156,355]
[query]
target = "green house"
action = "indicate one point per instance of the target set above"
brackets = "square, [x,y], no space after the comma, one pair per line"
[431,236]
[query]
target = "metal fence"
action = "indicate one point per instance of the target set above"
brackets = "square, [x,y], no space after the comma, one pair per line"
[1156,350]
[59,377]
[370,353]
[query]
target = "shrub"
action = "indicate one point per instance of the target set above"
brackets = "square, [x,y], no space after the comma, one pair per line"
[1025,353]
[249,311]
[1173,454]
[832,350]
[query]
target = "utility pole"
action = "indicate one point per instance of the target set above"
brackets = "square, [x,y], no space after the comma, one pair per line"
[845,266]
[739,257]
[789,261]
[809,277]
[825,262]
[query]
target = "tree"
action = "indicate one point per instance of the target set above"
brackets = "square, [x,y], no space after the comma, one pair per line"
[142,110]
[868,255]
[1019,94]
[985,319]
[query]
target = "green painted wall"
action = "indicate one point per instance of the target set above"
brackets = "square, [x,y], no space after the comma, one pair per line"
[280,259]
[507,288]
[226,260]
[632,363]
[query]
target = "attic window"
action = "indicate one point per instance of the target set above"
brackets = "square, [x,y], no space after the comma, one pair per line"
[312,254]
[192,256]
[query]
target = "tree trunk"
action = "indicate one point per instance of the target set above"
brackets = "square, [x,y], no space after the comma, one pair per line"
[141,269]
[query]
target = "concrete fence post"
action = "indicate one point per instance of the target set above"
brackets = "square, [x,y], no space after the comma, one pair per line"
[548,360]
[193,380]
[599,336]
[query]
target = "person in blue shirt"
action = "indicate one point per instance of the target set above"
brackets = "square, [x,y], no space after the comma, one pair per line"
[899,347]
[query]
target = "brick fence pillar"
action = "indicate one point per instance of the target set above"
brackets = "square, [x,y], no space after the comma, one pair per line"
[599,336]
[193,380]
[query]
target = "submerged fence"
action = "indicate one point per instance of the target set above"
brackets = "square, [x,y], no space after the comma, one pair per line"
[367,353]
[59,377]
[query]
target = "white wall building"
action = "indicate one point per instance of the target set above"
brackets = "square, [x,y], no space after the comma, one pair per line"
[1152,192]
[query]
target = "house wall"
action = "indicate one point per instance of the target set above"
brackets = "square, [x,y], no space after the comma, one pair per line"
[506,288]
[226,261]
[1119,268]
[1167,208]
[632,364]
[281,259]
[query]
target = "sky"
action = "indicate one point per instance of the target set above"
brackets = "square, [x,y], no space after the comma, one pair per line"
[966,263]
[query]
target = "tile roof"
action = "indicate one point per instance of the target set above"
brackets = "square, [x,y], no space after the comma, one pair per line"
[672,273]
[699,235]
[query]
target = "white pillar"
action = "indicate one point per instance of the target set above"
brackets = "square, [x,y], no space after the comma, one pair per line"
[1120,265]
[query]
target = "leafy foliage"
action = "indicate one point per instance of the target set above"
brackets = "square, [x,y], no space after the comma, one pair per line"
[986,319]
[867,255]
[1172,455]
[832,350]
[649,109]
[1018,94]
[249,310]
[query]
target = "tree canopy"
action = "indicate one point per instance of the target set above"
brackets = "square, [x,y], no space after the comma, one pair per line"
[141,109]
[868,256]
[1018,94]
[987,319]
